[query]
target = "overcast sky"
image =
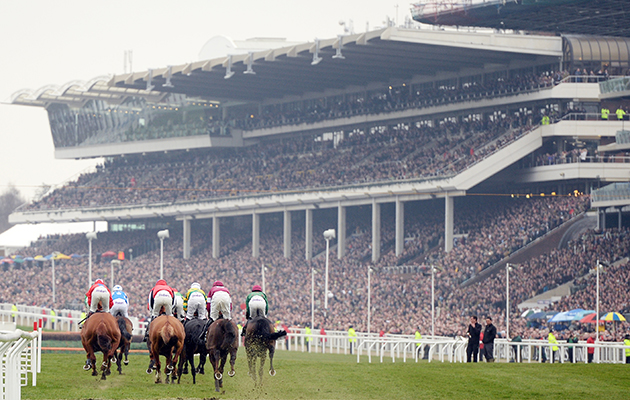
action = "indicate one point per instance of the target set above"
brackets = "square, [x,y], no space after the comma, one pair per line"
[53,42]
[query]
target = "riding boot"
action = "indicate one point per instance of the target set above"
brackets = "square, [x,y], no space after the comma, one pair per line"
[146,332]
[244,329]
[202,337]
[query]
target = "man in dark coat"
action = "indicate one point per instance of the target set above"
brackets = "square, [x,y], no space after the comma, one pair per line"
[488,339]
[474,330]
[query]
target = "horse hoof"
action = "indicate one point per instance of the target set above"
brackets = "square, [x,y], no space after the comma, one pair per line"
[149,371]
[232,373]
[113,359]
[272,372]
[87,367]
[218,376]
[126,362]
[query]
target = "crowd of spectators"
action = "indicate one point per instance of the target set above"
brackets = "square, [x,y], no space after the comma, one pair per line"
[414,151]
[397,98]
[490,228]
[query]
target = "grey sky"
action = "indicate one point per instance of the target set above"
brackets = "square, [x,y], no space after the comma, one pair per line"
[53,42]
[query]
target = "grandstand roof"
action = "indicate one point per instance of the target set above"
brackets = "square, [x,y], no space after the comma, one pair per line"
[378,57]
[602,17]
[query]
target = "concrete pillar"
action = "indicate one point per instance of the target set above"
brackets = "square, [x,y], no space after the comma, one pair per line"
[341,231]
[186,227]
[400,227]
[619,218]
[448,223]
[216,237]
[255,235]
[376,231]
[308,237]
[287,234]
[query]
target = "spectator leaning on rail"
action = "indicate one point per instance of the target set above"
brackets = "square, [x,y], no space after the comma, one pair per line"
[99,293]
[195,302]
[121,302]
[256,304]
[161,296]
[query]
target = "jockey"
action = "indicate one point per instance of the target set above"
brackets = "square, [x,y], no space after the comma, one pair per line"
[178,306]
[99,293]
[256,305]
[195,301]
[160,296]
[220,301]
[121,302]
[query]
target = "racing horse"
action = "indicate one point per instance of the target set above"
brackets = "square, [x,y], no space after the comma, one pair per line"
[126,327]
[166,338]
[260,338]
[193,345]
[100,333]
[221,340]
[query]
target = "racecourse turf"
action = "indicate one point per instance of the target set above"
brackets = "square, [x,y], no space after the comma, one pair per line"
[331,376]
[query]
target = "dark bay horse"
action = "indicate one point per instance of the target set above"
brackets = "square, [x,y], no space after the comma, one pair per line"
[166,338]
[193,345]
[260,338]
[100,333]
[126,327]
[222,339]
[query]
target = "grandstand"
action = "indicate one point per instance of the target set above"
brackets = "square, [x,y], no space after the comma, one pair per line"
[419,146]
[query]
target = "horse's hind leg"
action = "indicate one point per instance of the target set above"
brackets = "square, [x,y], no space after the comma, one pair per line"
[272,351]
[119,363]
[232,361]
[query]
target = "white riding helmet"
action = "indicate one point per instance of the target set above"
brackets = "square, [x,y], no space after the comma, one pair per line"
[195,285]
[118,288]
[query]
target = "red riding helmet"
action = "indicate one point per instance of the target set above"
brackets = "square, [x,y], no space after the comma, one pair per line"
[256,288]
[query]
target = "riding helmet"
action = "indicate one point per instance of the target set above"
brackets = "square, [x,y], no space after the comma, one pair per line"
[256,288]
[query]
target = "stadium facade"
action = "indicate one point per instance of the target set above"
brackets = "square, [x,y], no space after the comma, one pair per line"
[350,88]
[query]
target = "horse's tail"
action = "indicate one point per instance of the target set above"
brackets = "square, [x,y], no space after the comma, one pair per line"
[276,335]
[230,334]
[122,324]
[103,338]
[167,333]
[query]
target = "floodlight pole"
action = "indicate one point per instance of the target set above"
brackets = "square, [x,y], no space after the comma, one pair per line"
[326,284]
[53,279]
[507,300]
[313,272]
[369,290]
[161,258]
[262,268]
[90,236]
[597,307]
[432,301]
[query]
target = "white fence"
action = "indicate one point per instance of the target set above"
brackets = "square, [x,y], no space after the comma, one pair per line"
[447,349]
[20,353]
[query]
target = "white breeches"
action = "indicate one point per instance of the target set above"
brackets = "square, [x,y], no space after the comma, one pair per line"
[120,307]
[179,307]
[221,302]
[257,307]
[162,298]
[196,303]
[100,294]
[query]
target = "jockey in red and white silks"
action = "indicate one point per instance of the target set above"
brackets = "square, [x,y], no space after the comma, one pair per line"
[99,292]
[220,301]
[161,296]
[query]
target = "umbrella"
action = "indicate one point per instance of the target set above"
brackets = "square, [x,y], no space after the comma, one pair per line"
[6,261]
[40,257]
[543,315]
[573,315]
[590,319]
[29,259]
[62,256]
[73,255]
[109,254]
[529,312]
[613,316]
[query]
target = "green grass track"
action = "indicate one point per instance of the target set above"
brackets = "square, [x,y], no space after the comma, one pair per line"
[319,376]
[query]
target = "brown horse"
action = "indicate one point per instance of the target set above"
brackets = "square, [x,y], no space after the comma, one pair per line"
[260,338]
[222,339]
[126,327]
[166,338]
[100,333]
